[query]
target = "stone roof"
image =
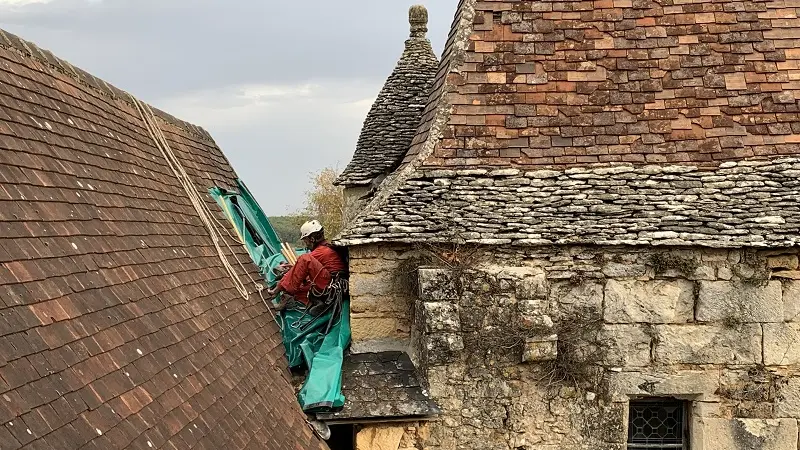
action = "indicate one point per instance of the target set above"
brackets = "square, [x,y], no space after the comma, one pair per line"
[381,386]
[119,326]
[748,203]
[392,121]
[528,86]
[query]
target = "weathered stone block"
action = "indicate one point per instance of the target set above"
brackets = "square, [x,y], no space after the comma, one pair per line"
[788,262]
[441,317]
[624,270]
[370,284]
[791,301]
[788,404]
[380,437]
[659,301]
[740,434]
[532,287]
[701,385]
[568,297]
[781,344]
[442,348]
[626,345]
[707,344]
[538,349]
[437,284]
[367,328]
[534,314]
[720,301]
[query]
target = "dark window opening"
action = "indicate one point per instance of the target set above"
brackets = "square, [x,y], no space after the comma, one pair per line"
[658,424]
[343,437]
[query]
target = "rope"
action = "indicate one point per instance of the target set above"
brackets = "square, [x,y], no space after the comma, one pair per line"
[191,190]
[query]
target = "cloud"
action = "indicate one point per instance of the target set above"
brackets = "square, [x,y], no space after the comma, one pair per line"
[275,135]
[283,87]
[19,3]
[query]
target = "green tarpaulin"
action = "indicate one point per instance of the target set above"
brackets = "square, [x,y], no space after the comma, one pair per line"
[305,337]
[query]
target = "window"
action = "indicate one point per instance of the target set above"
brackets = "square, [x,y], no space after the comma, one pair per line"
[658,424]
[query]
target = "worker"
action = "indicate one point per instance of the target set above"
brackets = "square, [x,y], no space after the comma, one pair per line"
[314,273]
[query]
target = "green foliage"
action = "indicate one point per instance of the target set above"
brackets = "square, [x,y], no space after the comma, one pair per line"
[288,228]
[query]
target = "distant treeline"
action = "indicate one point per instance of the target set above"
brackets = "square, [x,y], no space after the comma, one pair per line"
[288,228]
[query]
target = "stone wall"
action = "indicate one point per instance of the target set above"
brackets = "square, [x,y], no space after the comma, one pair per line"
[595,328]
[382,295]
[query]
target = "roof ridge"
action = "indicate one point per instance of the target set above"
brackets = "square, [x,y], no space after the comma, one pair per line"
[28,49]
[436,114]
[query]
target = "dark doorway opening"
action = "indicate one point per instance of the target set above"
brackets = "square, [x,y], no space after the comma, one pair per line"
[343,437]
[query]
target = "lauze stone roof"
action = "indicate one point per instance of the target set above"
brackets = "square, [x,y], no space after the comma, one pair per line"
[392,121]
[542,85]
[381,386]
[118,325]
[753,203]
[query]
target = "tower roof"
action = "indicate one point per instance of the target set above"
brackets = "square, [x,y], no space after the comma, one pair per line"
[392,121]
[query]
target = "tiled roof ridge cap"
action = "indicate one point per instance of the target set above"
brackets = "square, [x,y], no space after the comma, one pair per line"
[462,30]
[30,50]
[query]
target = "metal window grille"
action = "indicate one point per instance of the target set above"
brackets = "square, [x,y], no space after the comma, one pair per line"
[658,424]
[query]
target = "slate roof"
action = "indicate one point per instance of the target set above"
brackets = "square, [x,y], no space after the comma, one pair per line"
[392,121]
[119,328]
[571,87]
[379,387]
[743,204]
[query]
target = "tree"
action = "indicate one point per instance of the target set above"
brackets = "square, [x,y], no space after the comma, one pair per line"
[325,201]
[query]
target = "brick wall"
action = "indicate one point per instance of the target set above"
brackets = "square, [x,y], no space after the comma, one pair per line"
[546,83]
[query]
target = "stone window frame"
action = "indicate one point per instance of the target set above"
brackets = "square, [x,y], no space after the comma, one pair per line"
[686,406]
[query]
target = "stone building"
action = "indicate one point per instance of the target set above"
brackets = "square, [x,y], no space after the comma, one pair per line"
[591,241]
[120,326]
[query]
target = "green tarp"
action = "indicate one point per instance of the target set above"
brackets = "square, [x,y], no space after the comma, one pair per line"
[304,337]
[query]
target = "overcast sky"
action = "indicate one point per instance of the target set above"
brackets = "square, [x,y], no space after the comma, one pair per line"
[283,86]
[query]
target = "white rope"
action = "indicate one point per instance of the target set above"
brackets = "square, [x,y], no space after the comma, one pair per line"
[194,196]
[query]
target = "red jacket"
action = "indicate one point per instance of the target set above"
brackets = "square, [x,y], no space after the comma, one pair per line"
[312,269]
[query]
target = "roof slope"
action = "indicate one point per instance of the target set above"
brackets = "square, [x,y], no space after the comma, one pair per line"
[119,326]
[392,121]
[379,387]
[560,86]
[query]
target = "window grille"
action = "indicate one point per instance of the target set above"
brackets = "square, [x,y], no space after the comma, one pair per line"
[658,424]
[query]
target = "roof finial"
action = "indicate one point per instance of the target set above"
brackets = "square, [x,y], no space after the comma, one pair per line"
[418,18]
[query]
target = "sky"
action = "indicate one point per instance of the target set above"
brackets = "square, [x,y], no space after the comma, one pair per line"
[282,86]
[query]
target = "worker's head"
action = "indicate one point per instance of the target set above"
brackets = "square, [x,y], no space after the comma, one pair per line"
[312,233]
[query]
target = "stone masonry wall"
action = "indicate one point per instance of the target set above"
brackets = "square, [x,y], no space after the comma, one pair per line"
[382,294]
[597,327]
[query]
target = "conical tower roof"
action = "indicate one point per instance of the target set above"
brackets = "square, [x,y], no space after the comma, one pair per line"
[393,119]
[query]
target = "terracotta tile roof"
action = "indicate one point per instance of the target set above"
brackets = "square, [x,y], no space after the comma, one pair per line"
[392,121]
[118,325]
[529,85]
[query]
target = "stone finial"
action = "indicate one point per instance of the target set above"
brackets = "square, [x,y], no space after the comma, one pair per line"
[418,18]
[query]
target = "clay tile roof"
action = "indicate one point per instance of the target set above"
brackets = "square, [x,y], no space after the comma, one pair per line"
[118,325]
[381,386]
[697,103]
[392,121]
